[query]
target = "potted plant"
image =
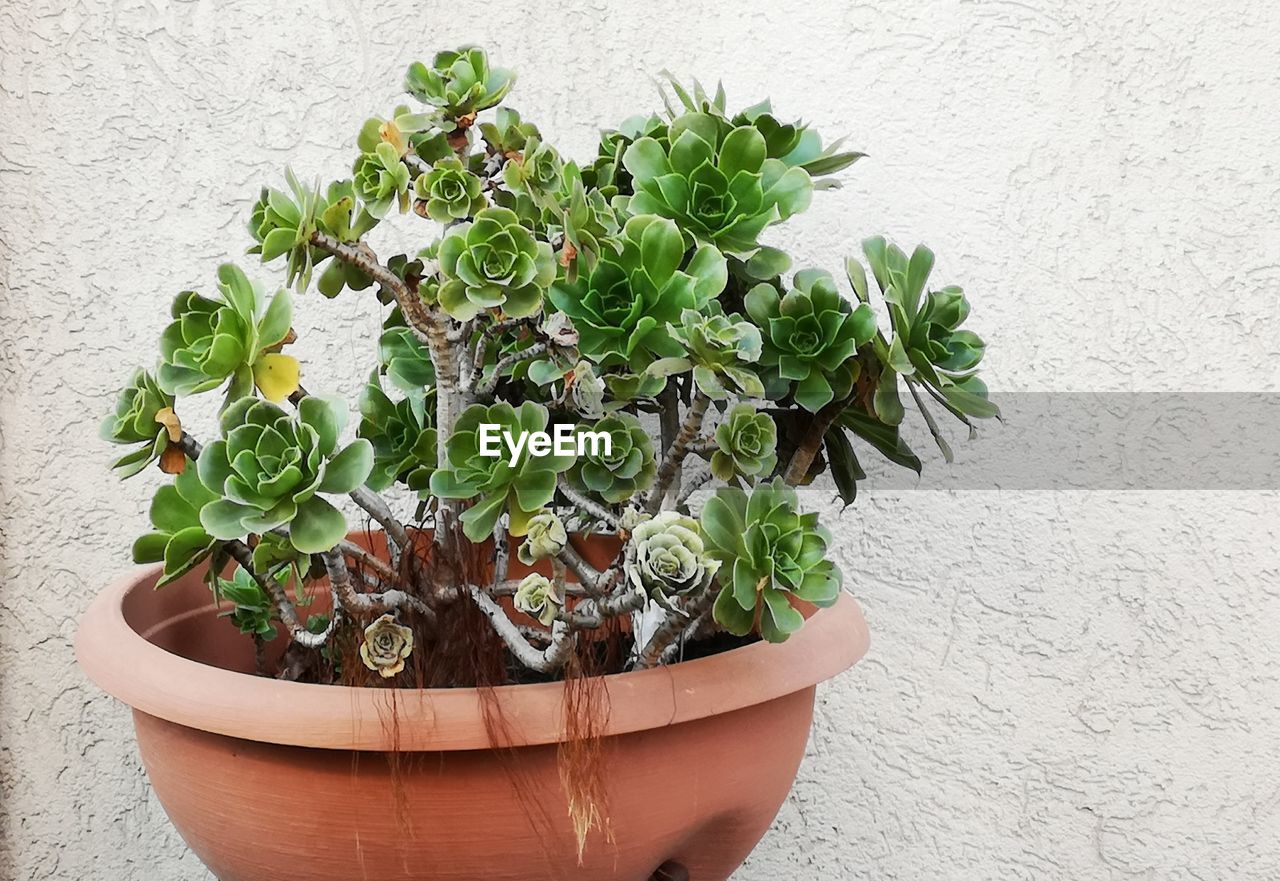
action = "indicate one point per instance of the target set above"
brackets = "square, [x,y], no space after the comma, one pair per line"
[552,668]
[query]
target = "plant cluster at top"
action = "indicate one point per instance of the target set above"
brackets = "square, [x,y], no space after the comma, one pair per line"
[629,291]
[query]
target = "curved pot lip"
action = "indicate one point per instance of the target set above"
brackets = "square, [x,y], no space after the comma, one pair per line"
[162,684]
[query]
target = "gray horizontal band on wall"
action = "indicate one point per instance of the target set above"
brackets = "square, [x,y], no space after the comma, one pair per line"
[1093,441]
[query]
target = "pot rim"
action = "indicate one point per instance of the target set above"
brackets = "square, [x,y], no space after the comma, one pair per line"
[155,681]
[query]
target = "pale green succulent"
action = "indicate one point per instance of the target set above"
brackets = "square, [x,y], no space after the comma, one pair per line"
[546,538]
[718,349]
[381,180]
[538,171]
[769,552]
[625,468]
[282,224]
[134,422]
[407,132]
[449,191]
[588,391]
[459,83]
[746,444]
[670,558]
[233,338]
[493,262]
[268,467]
[537,597]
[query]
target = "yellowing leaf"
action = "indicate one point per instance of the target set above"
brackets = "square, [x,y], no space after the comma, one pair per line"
[169,420]
[520,520]
[277,376]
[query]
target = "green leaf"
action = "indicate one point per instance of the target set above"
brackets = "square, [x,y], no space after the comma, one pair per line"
[768,263]
[887,403]
[317,526]
[239,291]
[169,511]
[349,469]
[743,149]
[918,274]
[150,547]
[845,469]
[275,324]
[478,520]
[184,551]
[731,616]
[886,439]
[780,619]
[969,403]
[646,159]
[323,417]
[223,519]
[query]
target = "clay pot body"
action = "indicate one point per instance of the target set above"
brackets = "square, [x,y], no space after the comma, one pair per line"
[278,781]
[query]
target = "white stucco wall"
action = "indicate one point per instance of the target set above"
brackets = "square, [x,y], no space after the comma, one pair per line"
[1061,685]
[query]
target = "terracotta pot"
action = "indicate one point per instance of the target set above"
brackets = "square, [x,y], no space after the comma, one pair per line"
[278,781]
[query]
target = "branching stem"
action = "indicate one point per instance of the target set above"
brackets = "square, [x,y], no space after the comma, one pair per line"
[677,452]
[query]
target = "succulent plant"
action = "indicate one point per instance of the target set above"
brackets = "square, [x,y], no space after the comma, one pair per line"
[268,467]
[718,348]
[623,306]
[381,180]
[563,209]
[720,186]
[927,344]
[235,337]
[406,362]
[537,597]
[579,292]
[449,191]
[606,172]
[142,413]
[494,261]
[746,444]
[403,441]
[178,540]
[282,224]
[459,83]
[670,558]
[810,337]
[252,609]
[546,537]
[587,391]
[406,132]
[497,484]
[795,144]
[507,133]
[770,553]
[537,171]
[626,468]
[386,645]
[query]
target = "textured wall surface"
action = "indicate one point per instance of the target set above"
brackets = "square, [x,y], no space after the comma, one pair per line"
[1061,685]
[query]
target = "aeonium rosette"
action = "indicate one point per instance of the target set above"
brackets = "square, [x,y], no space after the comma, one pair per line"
[769,552]
[269,467]
[497,484]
